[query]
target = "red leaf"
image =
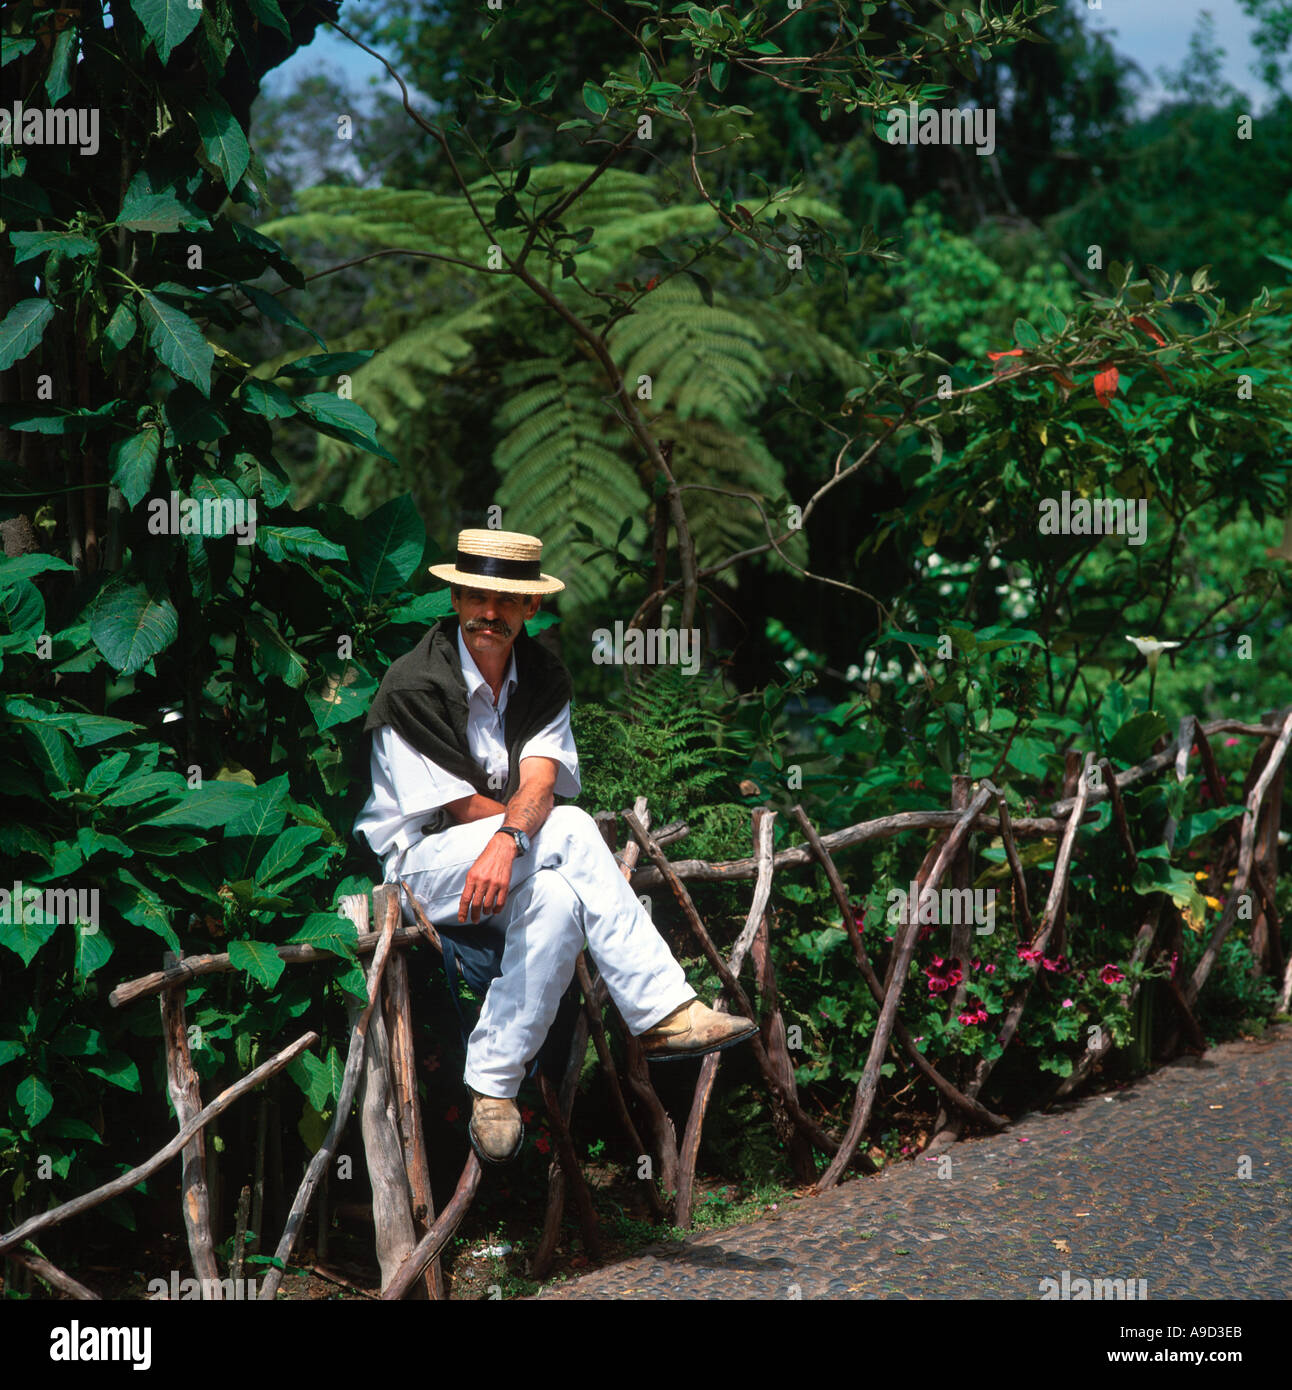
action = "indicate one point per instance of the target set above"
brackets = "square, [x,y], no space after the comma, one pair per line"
[1012,352]
[1145,326]
[1106,386]
[652,282]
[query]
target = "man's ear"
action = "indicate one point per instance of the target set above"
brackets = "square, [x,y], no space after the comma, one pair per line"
[532,604]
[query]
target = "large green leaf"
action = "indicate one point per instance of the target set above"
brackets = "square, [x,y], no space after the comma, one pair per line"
[28,245]
[148,209]
[22,610]
[425,608]
[390,546]
[85,730]
[343,692]
[267,12]
[274,653]
[133,462]
[311,1074]
[222,137]
[53,755]
[142,907]
[16,567]
[24,938]
[263,812]
[143,786]
[326,363]
[121,326]
[296,543]
[1133,742]
[34,1097]
[22,328]
[58,80]
[204,807]
[329,932]
[93,950]
[178,341]
[284,854]
[117,1068]
[257,959]
[344,420]
[129,626]
[25,420]
[1196,824]
[264,398]
[167,22]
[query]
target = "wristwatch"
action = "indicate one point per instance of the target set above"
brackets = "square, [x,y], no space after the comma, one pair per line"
[522,840]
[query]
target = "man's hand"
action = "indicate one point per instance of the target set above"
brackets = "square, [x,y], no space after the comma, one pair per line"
[488,880]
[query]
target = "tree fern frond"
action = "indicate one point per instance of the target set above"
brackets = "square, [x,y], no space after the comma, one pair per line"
[701,361]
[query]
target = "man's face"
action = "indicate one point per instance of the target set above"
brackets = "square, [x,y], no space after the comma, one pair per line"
[491,621]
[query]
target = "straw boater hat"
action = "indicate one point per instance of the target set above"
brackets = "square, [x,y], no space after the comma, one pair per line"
[506,562]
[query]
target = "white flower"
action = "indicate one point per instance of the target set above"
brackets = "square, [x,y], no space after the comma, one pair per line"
[1151,647]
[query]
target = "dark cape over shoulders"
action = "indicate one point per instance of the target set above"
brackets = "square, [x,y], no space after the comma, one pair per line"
[423,697]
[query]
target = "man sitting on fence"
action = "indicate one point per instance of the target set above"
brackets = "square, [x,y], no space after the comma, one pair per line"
[471,743]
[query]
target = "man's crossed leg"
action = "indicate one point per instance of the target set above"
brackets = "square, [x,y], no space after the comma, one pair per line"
[566,888]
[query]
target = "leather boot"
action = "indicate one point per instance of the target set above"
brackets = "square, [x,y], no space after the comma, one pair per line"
[692,1030]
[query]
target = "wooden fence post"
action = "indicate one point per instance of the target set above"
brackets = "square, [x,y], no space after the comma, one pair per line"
[186,1097]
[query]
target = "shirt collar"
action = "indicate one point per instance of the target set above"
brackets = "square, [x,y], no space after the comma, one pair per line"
[474,680]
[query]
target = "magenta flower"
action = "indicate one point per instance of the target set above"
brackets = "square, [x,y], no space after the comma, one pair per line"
[989,970]
[1059,965]
[1067,1003]
[1110,975]
[1026,953]
[976,1014]
[943,974]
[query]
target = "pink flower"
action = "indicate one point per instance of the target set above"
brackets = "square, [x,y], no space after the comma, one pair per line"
[1026,953]
[1175,956]
[989,970]
[1229,742]
[1059,965]
[1110,975]
[975,1015]
[1067,1003]
[943,975]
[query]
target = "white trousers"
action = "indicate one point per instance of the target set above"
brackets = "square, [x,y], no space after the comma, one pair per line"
[566,888]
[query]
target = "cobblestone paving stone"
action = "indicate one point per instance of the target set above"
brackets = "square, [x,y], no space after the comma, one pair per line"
[1140,1183]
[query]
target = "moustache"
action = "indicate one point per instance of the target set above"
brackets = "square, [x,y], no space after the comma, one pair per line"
[484,625]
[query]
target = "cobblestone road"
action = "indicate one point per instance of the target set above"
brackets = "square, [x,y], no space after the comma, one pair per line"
[1142,1183]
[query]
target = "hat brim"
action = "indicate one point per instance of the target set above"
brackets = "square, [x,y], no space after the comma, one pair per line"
[544,584]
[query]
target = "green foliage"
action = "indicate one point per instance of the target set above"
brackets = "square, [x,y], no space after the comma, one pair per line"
[657,742]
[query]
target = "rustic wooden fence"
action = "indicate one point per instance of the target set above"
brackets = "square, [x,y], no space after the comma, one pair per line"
[379,1066]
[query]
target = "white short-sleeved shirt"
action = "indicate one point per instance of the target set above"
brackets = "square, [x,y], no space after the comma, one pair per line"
[407,787]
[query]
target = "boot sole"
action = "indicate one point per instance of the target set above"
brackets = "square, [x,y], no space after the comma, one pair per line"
[489,1158]
[680,1056]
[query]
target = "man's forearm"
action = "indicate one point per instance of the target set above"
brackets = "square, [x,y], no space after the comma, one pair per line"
[473,807]
[529,808]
